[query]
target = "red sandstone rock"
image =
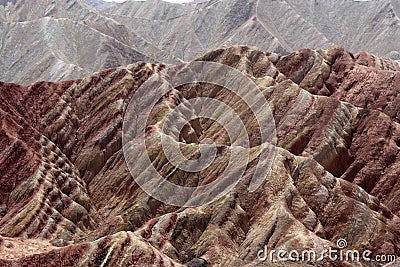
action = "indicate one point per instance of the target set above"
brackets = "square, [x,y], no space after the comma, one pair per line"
[68,198]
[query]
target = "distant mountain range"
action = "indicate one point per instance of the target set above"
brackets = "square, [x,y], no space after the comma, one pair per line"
[66,39]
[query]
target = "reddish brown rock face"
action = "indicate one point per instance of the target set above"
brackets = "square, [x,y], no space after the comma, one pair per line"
[67,197]
[368,82]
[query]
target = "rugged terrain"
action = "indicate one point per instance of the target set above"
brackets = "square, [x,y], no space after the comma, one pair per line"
[99,4]
[69,199]
[59,40]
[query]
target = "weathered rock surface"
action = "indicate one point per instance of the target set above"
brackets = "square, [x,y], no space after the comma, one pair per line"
[185,31]
[99,4]
[338,74]
[59,40]
[68,198]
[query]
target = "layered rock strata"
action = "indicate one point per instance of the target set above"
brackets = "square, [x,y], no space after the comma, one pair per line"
[69,199]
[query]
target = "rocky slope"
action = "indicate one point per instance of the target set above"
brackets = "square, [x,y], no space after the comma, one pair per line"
[68,197]
[99,4]
[61,40]
[60,36]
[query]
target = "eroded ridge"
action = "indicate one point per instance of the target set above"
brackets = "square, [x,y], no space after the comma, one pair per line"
[69,199]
